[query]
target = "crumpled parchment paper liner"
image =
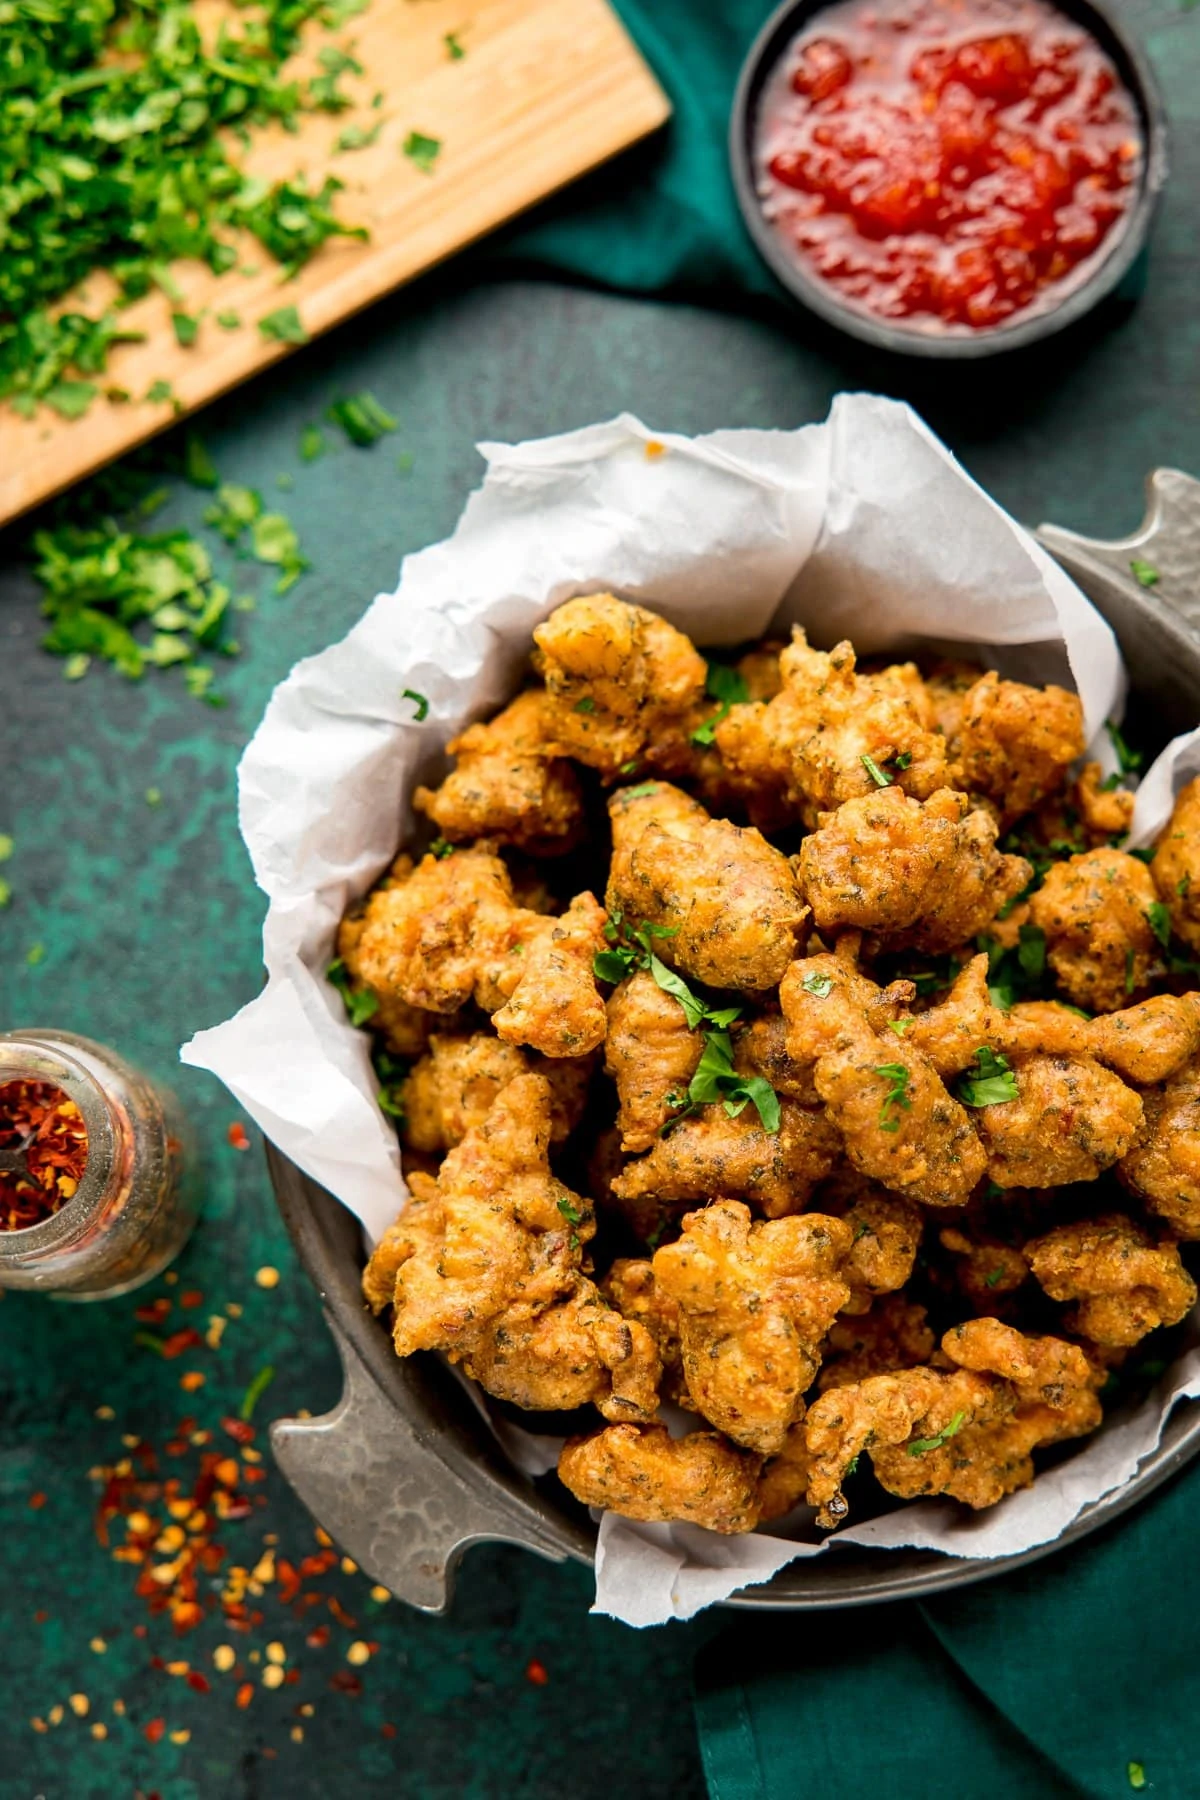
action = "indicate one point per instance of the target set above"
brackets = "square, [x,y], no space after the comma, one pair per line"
[864,527]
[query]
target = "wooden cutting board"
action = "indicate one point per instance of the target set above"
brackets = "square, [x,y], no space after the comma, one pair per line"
[545,90]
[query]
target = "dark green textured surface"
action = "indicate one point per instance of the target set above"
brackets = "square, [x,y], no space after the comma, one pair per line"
[150,924]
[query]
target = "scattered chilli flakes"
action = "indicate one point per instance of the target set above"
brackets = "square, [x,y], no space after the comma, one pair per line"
[43,1152]
[238,1135]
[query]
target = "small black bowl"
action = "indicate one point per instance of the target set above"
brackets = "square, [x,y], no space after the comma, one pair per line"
[1128,239]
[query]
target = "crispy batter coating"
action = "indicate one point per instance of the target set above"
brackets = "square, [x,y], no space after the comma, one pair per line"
[651,1055]
[784,1481]
[1124,1285]
[450,932]
[505,786]
[893,1335]
[450,1090]
[729,899]
[755,1302]
[899,1124]
[887,1234]
[641,1472]
[566,1355]
[1014,743]
[553,1004]
[925,875]
[1070,1121]
[760,1048]
[630,1287]
[1176,865]
[986,1270]
[616,676]
[710,1153]
[1094,910]
[947,685]
[1148,1042]
[405,1029]
[1104,812]
[1165,1168]
[674,753]
[969,1433]
[809,743]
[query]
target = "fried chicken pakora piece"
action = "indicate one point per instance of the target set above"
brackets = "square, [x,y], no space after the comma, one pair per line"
[683,749]
[969,1433]
[755,1302]
[505,786]
[448,932]
[783,1484]
[631,1288]
[897,1121]
[404,1029]
[816,741]
[1095,912]
[1104,812]
[985,1269]
[1123,1284]
[1070,1121]
[1014,744]
[887,1234]
[450,1090]
[1164,1169]
[651,1054]
[616,675]
[710,1153]
[1176,865]
[915,874]
[893,1335]
[642,1472]
[486,1265]
[726,896]
[1147,1043]
[947,685]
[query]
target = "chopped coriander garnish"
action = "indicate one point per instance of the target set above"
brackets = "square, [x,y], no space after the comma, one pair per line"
[234,508]
[153,796]
[903,761]
[7,846]
[362,419]
[1129,970]
[728,687]
[76,666]
[5,892]
[1136,1774]
[715,1079]
[586,705]
[992,1082]
[639,793]
[285,481]
[255,1392]
[198,466]
[229,320]
[361,1003]
[419,701]
[35,954]
[993,1278]
[896,1099]
[421,150]
[1144,573]
[899,1026]
[70,399]
[441,848]
[159,392]
[275,541]
[284,326]
[1130,761]
[404,462]
[875,772]
[454,49]
[569,1210]
[358,137]
[312,443]
[919,1446]
[819,986]
[187,328]
[630,767]
[1182,886]
[1160,922]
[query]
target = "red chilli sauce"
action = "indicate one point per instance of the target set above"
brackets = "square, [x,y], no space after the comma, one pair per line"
[954,164]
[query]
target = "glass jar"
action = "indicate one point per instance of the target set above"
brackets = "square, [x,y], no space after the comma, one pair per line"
[137,1198]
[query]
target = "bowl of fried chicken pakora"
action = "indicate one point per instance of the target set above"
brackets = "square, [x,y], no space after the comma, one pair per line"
[798,1084]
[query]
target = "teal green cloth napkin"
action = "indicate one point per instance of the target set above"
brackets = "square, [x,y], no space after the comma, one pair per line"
[1076,1676]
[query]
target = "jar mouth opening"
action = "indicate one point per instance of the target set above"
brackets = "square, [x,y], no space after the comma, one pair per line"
[34,1062]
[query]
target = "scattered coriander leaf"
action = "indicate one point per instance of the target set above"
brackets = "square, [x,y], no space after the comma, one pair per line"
[76,666]
[454,49]
[440,848]
[640,793]
[613,965]
[198,466]
[419,701]
[5,892]
[362,418]
[1129,761]
[229,320]
[361,1003]
[919,1446]
[993,1278]
[358,137]
[70,399]
[1144,573]
[312,443]
[284,326]
[896,1100]
[992,1083]
[187,328]
[1160,922]
[7,846]
[875,772]
[569,1210]
[35,954]
[153,796]
[586,705]
[670,983]
[422,151]
[903,761]
[404,462]
[716,1080]
[255,1392]
[1182,886]
[1136,1775]
[819,986]
[160,392]
[728,687]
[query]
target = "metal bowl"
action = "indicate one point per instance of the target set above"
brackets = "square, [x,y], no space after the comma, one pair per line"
[1125,244]
[406,1474]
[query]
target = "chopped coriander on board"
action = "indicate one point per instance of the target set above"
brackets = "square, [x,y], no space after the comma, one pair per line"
[362,418]
[284,326]
[422,150]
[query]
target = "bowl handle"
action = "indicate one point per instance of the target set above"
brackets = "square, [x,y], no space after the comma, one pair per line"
[393,1503]
[1168,539]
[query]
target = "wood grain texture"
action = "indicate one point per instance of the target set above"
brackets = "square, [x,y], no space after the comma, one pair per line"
[546,90]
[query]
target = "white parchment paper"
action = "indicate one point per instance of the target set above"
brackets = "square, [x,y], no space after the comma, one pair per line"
[863,527]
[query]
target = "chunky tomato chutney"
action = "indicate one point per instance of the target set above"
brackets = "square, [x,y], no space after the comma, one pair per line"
[953,163]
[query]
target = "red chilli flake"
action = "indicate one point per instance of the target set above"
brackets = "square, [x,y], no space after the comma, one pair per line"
[536,1672]
[44,1144]
[154,1730]
[37,1501]
[237,1136]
